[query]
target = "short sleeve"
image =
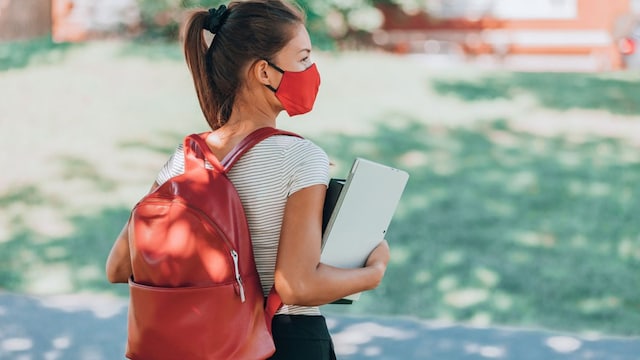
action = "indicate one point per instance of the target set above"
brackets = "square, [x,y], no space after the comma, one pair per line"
[307,165]
[173,167]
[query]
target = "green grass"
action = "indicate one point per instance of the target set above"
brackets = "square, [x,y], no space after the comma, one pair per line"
[555,91]
[537,233]
[19,54]
[520,210]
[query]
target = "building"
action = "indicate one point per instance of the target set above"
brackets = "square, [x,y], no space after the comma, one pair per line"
[24,19]
[66,20]
[575,34]
[78,20]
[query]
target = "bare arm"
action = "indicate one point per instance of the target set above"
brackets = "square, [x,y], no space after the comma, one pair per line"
[119,261]
[300,277]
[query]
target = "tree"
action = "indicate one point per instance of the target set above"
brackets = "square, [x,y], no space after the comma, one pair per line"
[329,21]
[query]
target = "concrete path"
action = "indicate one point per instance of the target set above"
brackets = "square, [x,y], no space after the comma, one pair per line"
[93,327]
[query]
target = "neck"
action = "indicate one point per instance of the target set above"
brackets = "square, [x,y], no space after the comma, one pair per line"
[249,117]
[251,111]
[245,118]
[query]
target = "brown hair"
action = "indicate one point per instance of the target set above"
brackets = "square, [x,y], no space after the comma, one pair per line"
[255,29]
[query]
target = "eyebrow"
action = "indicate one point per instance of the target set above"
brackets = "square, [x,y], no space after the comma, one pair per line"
[305,49]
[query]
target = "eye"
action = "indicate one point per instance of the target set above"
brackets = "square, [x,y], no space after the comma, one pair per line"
[306,60]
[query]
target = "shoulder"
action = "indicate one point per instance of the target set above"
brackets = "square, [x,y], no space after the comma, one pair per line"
[293,148]
[173,167]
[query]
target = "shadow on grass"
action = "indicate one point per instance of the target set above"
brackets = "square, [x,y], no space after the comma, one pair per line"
[19,54]
[496,227]
[561,91]
[503,227]
[74,262]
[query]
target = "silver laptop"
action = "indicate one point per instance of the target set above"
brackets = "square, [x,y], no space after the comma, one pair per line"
[362,213]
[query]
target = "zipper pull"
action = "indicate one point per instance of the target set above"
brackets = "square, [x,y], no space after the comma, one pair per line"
[234,255]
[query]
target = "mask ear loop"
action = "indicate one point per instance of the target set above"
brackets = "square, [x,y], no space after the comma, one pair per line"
[278,69]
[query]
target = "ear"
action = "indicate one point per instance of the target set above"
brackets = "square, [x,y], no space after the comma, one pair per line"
[261,72]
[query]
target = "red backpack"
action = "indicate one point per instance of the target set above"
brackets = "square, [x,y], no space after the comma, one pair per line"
[195,291]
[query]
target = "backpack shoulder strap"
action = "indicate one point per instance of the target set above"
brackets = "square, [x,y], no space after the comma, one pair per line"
[248,142]
[273,303]
[196,150]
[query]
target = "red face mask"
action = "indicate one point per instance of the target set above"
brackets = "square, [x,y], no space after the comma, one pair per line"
[298,90]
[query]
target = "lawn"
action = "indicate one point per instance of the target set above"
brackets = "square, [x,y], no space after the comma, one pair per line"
[520,210]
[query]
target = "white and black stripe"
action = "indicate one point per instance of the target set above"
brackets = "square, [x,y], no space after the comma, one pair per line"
[264,177]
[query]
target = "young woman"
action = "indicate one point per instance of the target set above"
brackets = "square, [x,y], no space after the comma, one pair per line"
[257,65]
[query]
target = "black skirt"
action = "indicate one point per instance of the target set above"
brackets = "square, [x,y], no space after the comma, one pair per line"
[302,337]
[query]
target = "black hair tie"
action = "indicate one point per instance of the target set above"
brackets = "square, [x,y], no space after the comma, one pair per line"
[216,19]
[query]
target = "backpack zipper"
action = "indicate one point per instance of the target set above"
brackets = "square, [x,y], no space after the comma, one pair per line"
[234,255]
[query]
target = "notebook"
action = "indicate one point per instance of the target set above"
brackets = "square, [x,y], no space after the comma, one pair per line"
[358,211]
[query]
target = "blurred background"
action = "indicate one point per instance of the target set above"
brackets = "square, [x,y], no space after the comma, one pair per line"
[519,122]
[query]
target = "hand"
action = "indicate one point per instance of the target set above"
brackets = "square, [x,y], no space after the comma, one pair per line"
[378,259]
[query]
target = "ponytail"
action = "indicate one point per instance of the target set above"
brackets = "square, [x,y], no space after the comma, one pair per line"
[195,52]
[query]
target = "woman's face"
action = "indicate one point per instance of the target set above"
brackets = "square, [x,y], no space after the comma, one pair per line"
[296,55]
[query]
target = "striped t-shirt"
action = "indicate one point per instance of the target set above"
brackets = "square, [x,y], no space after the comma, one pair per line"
[264,177]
